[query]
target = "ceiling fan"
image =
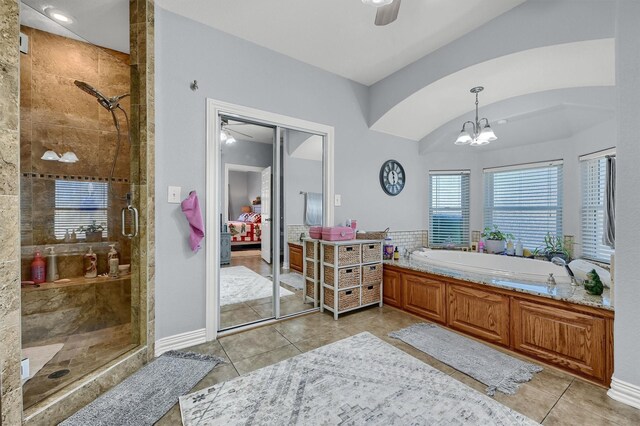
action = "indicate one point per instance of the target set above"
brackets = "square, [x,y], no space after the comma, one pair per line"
[387,10]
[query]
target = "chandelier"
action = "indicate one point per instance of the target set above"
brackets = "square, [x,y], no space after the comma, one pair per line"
[480,135]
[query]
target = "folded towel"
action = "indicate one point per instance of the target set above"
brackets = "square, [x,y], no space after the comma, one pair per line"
[191,208]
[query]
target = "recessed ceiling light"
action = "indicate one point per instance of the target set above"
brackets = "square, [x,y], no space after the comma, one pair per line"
[58,15]
[502,121]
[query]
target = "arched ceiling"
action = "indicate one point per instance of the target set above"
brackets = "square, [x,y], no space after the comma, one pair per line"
[578,64]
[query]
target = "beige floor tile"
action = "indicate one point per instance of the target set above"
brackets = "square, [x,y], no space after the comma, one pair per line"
[551,381]
[209,348]
[567,414]
[171,418]
[239,316]
[594,400]
[253,342]
[529,401]
[221,373]
[309,326]
[315,342]
[256,362]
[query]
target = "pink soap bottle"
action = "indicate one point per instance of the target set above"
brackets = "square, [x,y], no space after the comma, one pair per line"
[38,269]
[481,247]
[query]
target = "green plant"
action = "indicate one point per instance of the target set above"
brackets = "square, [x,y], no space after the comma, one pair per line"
[553,245]
[92,228]
[496,234]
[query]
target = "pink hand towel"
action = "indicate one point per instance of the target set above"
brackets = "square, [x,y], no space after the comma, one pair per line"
[191,208]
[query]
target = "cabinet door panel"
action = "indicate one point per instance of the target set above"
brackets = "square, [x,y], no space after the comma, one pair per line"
[391,288]
[425,297]
[295,258]
[572,340]
[479,313]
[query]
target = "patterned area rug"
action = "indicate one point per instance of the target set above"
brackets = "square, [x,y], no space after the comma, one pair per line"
[495,369]
[144,397]
[240,284]
[293,279]
[358,380]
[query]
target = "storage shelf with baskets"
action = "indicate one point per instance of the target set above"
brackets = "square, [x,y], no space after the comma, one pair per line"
[352,270]
[311,271]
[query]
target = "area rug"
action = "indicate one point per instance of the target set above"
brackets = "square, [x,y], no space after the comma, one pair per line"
[39,356]
[356,381]
[495,369]
[240,284]
[293,279]
[144,397]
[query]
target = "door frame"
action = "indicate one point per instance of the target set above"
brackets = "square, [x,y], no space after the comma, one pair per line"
[234,168]
[214,108]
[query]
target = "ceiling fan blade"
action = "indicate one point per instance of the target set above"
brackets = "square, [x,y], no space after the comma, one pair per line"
[235,131]
[387,14]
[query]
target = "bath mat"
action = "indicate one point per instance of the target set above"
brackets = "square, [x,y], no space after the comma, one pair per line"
[495,369]
[240,284]
[145,396]
[356,381]
[39,356]
[292,279]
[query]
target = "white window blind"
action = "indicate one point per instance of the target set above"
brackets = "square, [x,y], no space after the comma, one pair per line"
[449,208]
[593,194]
[79,204]
[525,201]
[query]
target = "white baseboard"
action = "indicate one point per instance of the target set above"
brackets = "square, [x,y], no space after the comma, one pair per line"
[624,392]
[180,341]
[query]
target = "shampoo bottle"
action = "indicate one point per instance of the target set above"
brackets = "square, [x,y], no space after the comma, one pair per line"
[38,268]
[52,265]
[519,249]
[90,264]
[113,261]
[396,254]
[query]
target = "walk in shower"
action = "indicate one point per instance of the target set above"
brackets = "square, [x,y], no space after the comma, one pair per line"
[76,204]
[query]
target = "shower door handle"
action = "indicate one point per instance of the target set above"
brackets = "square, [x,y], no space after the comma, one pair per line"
[134,214]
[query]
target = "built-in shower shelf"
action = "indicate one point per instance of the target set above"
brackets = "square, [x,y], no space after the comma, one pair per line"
[76,281]
[80,247]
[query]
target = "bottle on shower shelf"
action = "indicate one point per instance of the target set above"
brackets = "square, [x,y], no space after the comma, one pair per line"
[90,264]
[38,268]
[113,261]
[519,248]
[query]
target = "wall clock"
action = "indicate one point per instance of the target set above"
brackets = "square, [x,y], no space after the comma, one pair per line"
[392,177]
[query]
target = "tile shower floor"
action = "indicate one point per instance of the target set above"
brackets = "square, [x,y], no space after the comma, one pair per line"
[81,354]
[255,310]
[551,398]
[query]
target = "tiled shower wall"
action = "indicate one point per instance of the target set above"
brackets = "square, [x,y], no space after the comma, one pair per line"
[10,385]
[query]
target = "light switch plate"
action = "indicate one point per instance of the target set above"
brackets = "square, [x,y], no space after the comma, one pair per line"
[338,200]
[174,194]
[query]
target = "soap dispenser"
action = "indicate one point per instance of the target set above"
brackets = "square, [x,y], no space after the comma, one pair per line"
[52,265]
[90,264]
[113,261]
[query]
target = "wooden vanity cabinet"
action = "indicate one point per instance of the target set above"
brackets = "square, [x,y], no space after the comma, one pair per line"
[480,313]
[295,257]
[570,336]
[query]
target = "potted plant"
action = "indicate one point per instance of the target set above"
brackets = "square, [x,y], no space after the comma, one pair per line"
[554,247]
[93,232]
[495,240]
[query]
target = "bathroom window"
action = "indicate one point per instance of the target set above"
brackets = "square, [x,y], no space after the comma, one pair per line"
[593,201]
[525,201]
[449,208]
[79,204]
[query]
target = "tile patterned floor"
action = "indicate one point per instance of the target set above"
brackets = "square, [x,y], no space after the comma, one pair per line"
[551,398]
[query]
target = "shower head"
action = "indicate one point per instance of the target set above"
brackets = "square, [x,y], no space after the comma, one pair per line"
[108,103]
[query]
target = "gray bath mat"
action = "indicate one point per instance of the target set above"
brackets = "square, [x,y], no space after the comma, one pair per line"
[360,380]
[145,396]
[493,368]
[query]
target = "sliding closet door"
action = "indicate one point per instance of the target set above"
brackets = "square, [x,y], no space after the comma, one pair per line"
[300,191]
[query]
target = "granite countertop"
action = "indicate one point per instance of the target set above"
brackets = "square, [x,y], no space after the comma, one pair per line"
[563,292]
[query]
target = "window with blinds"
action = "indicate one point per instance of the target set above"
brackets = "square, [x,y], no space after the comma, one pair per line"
[525,201]
[449,208]
[79,204]
[593,198]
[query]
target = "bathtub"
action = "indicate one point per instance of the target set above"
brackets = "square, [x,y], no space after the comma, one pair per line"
[491,265]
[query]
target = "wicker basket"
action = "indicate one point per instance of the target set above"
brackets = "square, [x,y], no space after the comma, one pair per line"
[371,274]
[372,235]
[347,277]
[347,254]
[371,252]
[370,294]
[347,299]
[311,271]
[309,289]
[310,248]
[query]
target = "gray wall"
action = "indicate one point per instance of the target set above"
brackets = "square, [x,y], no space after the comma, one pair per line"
[238,195]
[186,50]
[627,287]
[596,138]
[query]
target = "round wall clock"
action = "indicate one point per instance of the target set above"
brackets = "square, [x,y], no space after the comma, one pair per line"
[392,177]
